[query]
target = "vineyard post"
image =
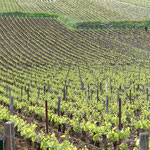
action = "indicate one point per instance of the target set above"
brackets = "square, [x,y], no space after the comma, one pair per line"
[138,87]
[46,112]
[48,88]
[118,95]
[38,92]
[107,104]
[100,86]
[25,88]
[82,86]
[29,87]
[66,90]
[97,95]
[106,87]
[130,96]
[6,82]
[147,94]
[143,89]
[120,87]
[144,141]
[1,143]
[9,136]
[59,111]
[9,92]
[31,80]
[104,141]
[120,119]
[101,92]
[86,90]
[120,114]
[11,105]
[91,94]
[65,93]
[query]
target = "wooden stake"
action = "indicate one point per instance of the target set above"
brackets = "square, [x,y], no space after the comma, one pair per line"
[147,94]
[91,94]
[144,141]
[118,95]
[59,111]
[86,91]
[38,93]
[120,114]
[106,87]
[9,136]
[48,89]
[65,93]
[97,95]
[29,87]
[130,96]
[100,87]
[82,88]
[9,92]
[120,127]
[107,104]
[46,112]
[1,143]
[11,105]
[143,89]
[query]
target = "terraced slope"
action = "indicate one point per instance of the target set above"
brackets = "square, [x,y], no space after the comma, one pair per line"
[81,10]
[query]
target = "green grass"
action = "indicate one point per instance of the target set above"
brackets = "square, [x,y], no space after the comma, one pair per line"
[23,14]
[74,25]
[115,24]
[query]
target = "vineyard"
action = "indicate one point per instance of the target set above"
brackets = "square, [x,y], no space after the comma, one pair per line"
[81,10]
[81,76]
[72,88]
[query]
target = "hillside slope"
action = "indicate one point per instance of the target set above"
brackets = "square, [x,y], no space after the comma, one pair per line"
[81,10]
[46,41]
